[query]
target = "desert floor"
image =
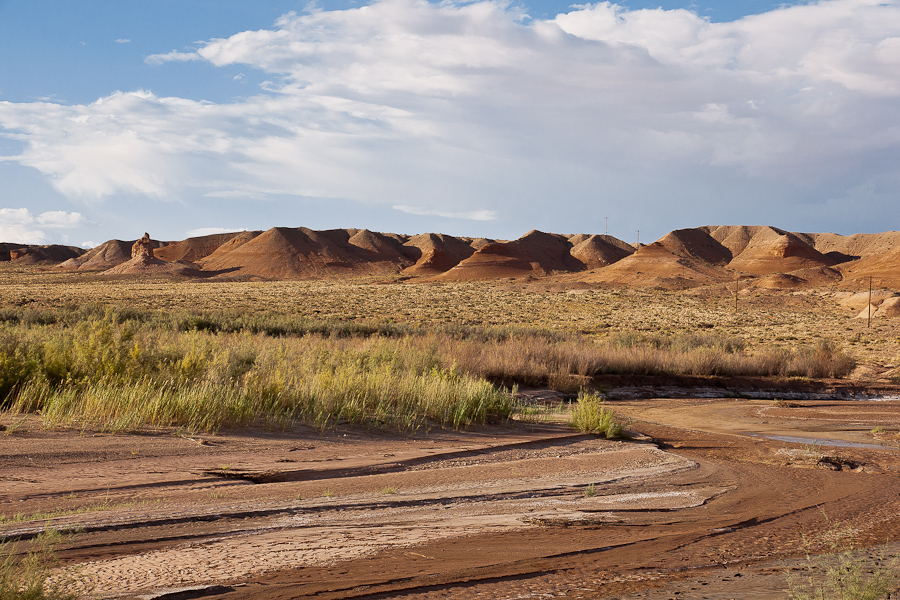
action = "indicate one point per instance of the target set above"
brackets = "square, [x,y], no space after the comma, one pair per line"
[713,498]
[710,500]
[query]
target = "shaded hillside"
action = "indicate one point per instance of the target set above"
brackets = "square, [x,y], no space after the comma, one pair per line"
[435,253]
[660,264]
[144,262]
[193,249]
[285,253]
[771,250]
[536,253]
[772,258]
[596,251]
[764,257]
[29,254]
[105,256]
[883,269]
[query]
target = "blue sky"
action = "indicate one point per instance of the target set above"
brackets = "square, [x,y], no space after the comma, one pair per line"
[179,117]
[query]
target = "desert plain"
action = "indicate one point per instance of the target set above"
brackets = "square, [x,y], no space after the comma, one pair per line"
[721,486]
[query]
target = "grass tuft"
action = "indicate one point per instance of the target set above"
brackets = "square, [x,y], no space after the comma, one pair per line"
[591,416]
[25,577]
[842,572]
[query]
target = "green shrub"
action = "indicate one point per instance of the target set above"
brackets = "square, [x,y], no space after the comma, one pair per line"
[590,415]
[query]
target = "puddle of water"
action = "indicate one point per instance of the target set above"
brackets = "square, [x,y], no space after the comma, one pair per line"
[822,442]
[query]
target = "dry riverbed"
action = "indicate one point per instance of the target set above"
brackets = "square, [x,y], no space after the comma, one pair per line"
[713,497]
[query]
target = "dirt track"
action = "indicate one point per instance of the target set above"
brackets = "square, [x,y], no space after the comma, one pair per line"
[707,510]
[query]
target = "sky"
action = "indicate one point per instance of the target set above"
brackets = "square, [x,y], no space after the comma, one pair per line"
[470,118]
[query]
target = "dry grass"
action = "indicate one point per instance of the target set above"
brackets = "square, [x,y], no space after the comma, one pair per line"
[379,354]
[778,319]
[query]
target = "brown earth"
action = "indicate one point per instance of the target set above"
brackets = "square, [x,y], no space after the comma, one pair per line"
[768,257]
[25,254]
[710,501]
[105,256]
[193,249]
[534,254]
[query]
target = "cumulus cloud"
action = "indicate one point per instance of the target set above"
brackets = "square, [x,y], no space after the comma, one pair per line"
[481,109]
[19,225]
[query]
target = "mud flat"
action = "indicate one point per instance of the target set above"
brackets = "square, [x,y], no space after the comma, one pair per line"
[705,503]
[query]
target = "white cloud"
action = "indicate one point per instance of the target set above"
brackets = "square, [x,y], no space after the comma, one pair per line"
[173,56]
[60,218]
[472,215]
[488,113]
[19,225]
[89,245]
[210,231]
[122,41]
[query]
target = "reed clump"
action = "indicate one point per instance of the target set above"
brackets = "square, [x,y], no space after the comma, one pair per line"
[122,368]
[534,359]
[591,415]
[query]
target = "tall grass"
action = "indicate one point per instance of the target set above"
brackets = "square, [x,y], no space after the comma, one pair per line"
[119,368]
[204,382]
[534,360]
[25,577]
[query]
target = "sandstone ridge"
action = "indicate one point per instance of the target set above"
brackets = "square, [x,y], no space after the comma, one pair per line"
[760,257]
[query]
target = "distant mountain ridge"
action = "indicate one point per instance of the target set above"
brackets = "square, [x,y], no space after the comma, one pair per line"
[766,257]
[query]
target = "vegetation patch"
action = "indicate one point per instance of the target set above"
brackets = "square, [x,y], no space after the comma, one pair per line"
[26,575]
[590,415]
[119,368]
[835,569]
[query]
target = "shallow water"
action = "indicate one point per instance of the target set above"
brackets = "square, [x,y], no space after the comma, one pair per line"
[822,442]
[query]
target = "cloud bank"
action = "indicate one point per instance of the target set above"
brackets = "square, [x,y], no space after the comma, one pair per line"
[19,225]
[476,111]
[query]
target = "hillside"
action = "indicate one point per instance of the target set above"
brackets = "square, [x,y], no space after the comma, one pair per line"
[763,257]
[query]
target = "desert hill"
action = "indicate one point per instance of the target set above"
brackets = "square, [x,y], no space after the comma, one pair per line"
[144,262]
[435,253]
[768,257]
[30,254]
[193,249]
[536,253]
[301,253]
[761,257]
[105,256]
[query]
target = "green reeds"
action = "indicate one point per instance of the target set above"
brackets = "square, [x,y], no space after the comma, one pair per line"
[25,576]
[590,415]
[120,369]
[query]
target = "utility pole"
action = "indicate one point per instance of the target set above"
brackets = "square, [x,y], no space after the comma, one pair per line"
[639,237]
[869,320]
[607,225]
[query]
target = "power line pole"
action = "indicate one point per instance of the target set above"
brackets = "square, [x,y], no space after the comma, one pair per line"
[607,225]
[869,320]
[639,237]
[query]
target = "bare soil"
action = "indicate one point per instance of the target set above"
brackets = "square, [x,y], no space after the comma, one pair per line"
[709,501]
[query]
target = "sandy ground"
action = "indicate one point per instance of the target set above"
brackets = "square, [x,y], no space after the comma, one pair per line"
[711,501]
